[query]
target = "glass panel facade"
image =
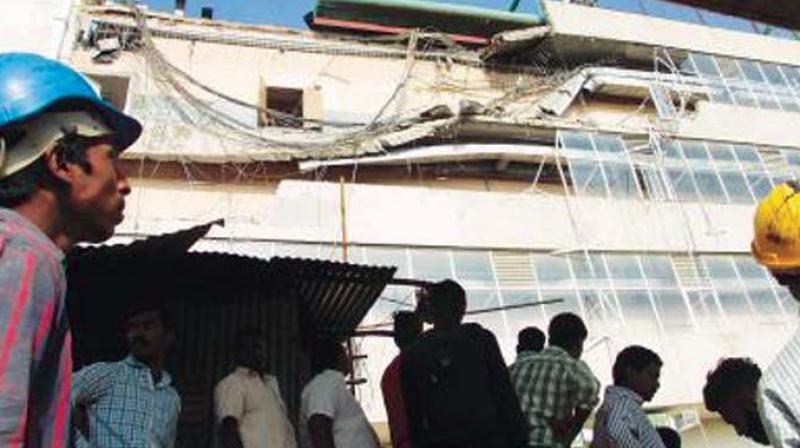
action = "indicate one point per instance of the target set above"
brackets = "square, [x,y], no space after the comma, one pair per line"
[746,83]
[683,170]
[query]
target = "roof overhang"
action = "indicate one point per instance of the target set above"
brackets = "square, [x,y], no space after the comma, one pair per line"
[784,13]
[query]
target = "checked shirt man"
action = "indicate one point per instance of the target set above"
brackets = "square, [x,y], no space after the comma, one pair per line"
[130,403]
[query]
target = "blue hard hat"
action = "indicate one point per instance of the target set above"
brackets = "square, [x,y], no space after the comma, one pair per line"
[31,84]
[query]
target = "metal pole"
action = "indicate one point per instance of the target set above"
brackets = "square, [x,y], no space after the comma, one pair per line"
[343,206]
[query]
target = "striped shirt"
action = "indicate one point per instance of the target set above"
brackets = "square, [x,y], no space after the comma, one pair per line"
[35,346]
[621,423]
[778,396]
[551,385]
[124,407]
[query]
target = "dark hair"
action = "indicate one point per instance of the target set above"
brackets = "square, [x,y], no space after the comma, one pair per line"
[635,357]
[566,329]
[670,437]
[147,306]
[20,186]
[447,300]
[325,354]
[729,377]
[530,339]
[247,333]
[407,328]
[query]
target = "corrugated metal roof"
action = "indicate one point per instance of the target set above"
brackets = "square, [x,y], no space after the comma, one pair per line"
[336,295]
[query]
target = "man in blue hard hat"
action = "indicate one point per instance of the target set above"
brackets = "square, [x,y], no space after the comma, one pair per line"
[59,185]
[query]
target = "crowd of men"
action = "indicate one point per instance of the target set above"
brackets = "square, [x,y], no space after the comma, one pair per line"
[60,185]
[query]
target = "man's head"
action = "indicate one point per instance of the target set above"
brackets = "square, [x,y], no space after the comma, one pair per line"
[638,369]
[149,329]
[776,241]
[730,390]
[59,143]
[251,349]
[447,303]
[329,354]
[530,339]
[567,331]
[407,328]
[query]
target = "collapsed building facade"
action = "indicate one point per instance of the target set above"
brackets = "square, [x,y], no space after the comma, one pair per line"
[602,162]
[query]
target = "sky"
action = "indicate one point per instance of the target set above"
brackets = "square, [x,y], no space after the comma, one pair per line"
[290,13]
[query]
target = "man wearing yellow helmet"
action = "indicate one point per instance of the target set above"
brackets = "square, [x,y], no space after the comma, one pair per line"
[776,245]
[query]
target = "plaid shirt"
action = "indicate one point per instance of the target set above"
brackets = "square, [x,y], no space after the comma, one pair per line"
[550,385]
[124,407]
[35,347]
[621,423]
[778,397]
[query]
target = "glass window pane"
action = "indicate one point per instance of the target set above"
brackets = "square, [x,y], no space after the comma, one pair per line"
[658,270]
[672,310]
[624,269]
[473,269]
[766,305]
[765,98]
[621,181]
[721,271]
[705,65]
[513,297]
[747,154]
[751,71]
[569,302]
[735,304]
[576,140]
[608,143]
[710,186]
[750,270]
[760,183]
[482,299]
[587,178]
[670,149]
[588,272]
[389,256]
[743,97]
[721,153]
[773,74]
[793,76]
[519,318]
[729,68]
[431,264]
[653,186]
[736,185]
[636,307]
[790,305]
[552,271]
[682,184]
[694,150]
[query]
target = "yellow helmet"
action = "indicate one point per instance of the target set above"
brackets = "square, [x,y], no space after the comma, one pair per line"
[776,244]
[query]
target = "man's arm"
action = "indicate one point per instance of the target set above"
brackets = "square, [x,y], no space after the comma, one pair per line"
[320,430]
[28,287]
[587,397]
[620,428]
[229,403]
[88,384]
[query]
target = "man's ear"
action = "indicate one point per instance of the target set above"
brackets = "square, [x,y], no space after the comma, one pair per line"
[58,167]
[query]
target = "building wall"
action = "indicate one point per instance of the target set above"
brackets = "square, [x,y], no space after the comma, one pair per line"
[402,219]
[37,26]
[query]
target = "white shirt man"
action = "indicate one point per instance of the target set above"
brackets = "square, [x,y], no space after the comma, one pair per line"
[254,400]
[327,395]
